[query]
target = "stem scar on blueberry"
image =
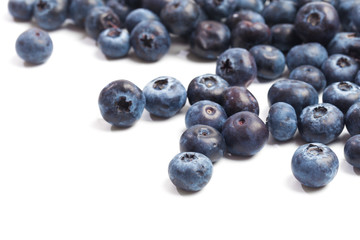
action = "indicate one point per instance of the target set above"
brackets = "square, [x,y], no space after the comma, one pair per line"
[114,32]
[226,66]
[122,105]
[188,157]
[343,62]
[320,112]
[42,5]
[203,132]
[160,84]
[241,121]
[314,149]
[147,40]
[208,81]
[313,19]
[210,110]
[343,86]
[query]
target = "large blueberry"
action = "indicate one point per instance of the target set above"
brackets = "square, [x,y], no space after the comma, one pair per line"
[352,119]
[165,96]
[203,139]
[190,171]
[314,165]
[236,99]
[79,9]
[22,10]
[138,15]
[121,103]
[321,123]
[247,34]
[309,74]
[244,14]
[280,12]
[50,14]
[237,66]
[114,42]
[347,43]
[352,151]
[245,134]
[284,36]
[339,67]
[282,121]
[306,54]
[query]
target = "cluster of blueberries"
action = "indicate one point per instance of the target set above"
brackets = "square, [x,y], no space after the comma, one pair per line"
[318,42]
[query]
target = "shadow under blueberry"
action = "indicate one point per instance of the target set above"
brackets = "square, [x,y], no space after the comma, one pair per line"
[237,158]
[177,191]
[295,185]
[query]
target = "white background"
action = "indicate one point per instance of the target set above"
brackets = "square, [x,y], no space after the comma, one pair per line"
[67,174]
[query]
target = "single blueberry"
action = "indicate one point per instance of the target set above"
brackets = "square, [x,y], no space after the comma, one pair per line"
[284,36]
[114,42]
[247,34]
[352,119]
[347,43]
[165,96]
[34,46]
[352,151]
[306,54]
[22,10]
[314,165]
[121,103]
[50,14]
[243,14]
[203,139]
[190,171]
[339,67]
[309,74]
[280,12]
[322,123]
[79,9]
[245,134]
[236,99]
[138,15]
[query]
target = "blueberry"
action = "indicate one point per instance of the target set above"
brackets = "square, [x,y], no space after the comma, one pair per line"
[34,46]
[254,5]
[50,14]
[138,15]
[270,61]
[243,14]
[114,42]
[154,5]
[207,113]
[236,99]
[317,22]
[120,9]
[352,151]
[347,43]
[294,92]
[218,9]
[352,119]
[306,54]
[79,9]
[121,103]
[284,36]
[210,39]
[282,121]
[245,134]
[150,40]
[339,67]
[314,165]
[321,123]
[342,95]
[203,139]
[206,87]
[22,10]
[165,96]
[190,171]
[237,66]
[309,74]
[247,34]
[280,12]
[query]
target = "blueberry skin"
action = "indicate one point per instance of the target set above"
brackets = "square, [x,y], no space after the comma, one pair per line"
[150,40]
[352,117]
[280,12]
[34,46]
[346,43]
[50,14]
[345,9]
[355,16]
[165,96]
[248,34]
[270,61]
[314,165]
[210,39]
[120,9]
[138,15]
[236,99]
[284,36]
[121,103]
[254,5]
[321,123]
[339,67]
[311,75]
[294,92]
[206,87]
[237,66]
[207,113]
[135,3]
[317,22]
[245,134]
[219,9]
[203,139]
[79,9]
[244,14]
[190,171]
[306,54]
[22,10]
[303,2]
[154,5]
[282,121]
[357,78]
[114,42]
[352,151]
[342,95]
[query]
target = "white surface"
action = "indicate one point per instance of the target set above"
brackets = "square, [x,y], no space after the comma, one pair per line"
[66,174]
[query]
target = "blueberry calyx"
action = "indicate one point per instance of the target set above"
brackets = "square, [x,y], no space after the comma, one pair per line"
[42,5]
[108,21]
[320,112]
[160,84]
[203,132]
[241,121]
[188,157]
[147,40]
[210,110]
[314,149]
[123,105]
[208,81]
[343,62]
[226,66]
[314,19]
[343,86]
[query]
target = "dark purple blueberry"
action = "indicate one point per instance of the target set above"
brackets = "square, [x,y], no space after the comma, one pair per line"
[254,5]
[203,139]
[50,14]
[321,123]
[342,95]
[114,42]
[121,103]
[207,113]
[284,36]
[79,9]
[206,87]
[245,134]
[237,66]
[311,75]
[247,34]
[218,9]
[138,15]
[347,43]
[210,39]
[22,10]
[317,22]
[306,54]
[154,5]
[236,99]
[150,40]
[270,61]
[294,92]
[339,67]
[280,12]
[247,15]
[352,119]
[352,151]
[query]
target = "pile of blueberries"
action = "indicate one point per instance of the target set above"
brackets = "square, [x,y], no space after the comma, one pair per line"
[309,47]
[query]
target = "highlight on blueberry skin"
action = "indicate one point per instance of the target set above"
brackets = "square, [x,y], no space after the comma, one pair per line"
[121,103]
[114,42]
[34,46]
[165,96]
[314,165]
[190,171]
[352,151]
